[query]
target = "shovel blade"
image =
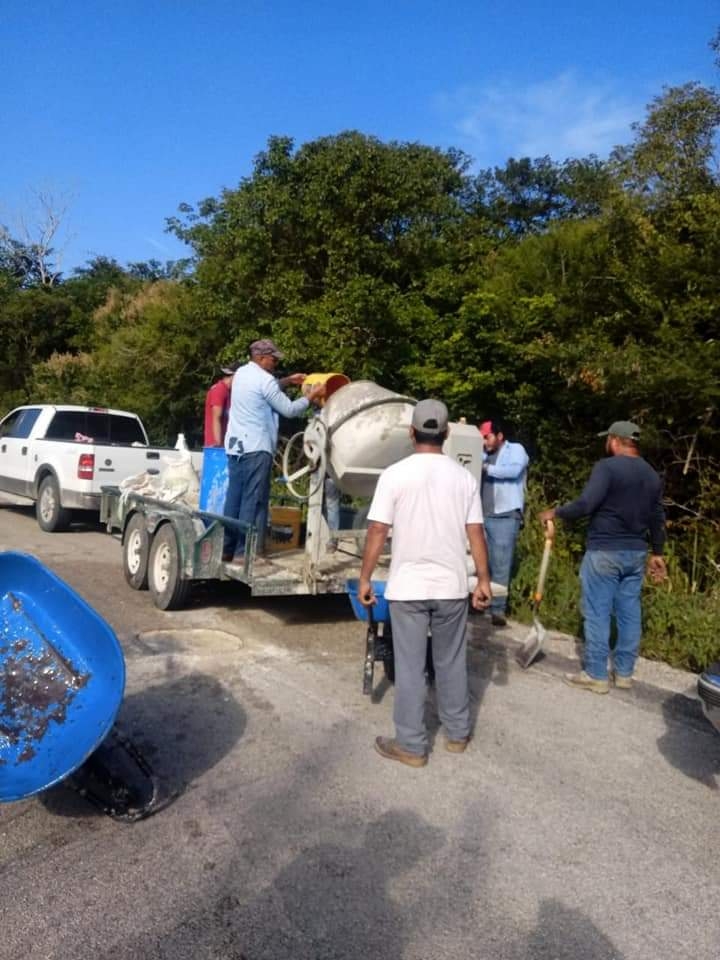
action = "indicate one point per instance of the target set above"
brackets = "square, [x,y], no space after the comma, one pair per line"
[532,645]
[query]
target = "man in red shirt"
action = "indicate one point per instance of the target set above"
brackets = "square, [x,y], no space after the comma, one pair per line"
[217,405]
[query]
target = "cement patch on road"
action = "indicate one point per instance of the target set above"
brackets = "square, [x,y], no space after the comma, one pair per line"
[193,640]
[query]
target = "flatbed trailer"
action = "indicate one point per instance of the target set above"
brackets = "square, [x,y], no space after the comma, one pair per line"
[168,546]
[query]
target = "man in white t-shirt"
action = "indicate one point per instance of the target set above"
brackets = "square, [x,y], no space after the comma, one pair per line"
[433,506]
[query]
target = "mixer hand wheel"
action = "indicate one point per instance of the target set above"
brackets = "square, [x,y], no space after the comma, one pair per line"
[297,447]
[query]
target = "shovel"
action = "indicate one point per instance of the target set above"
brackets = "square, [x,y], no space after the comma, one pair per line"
[535,638]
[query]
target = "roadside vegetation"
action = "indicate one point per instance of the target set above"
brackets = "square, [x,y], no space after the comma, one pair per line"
[560,295]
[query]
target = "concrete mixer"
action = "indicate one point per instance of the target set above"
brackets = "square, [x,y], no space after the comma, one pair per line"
[361,429]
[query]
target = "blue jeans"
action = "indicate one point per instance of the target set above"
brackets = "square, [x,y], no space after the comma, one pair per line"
[331,504]
[501,534]
[247,498]
[611,582]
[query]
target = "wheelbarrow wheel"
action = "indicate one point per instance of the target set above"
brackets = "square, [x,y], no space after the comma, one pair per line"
[136,550]
[168,588]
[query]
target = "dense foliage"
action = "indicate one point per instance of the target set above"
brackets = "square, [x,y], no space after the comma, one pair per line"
[560,296]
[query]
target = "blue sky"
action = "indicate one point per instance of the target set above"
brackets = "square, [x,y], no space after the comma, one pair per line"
[121,109]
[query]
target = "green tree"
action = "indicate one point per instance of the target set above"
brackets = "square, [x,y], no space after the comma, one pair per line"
[674,147]
[328,248]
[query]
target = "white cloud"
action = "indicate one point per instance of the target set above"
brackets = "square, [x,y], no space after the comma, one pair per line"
[562,117]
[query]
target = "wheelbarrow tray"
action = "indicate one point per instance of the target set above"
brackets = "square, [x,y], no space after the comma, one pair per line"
[62,678]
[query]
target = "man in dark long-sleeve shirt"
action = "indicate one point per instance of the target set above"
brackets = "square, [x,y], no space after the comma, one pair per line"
[623,498]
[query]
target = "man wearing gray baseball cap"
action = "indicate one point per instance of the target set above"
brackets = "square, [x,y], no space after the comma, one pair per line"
[433,506]
[623,499]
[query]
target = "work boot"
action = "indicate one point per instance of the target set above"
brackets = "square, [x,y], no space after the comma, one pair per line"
[585,682]
[498,620]
[457,746]
[622,682]
[391,750]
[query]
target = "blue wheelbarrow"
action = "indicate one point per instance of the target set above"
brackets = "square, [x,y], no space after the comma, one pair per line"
[378,639]
[62,678]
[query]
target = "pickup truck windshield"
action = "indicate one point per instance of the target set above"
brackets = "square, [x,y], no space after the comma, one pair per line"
[95,427]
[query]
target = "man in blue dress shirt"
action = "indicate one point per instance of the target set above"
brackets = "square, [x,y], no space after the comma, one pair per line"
[504,478]
[251,439]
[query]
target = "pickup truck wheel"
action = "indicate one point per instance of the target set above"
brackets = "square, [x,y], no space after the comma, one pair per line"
[169,590]
[136,550]
[51,516]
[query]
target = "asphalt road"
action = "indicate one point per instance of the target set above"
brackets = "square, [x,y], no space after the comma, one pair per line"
[576,827]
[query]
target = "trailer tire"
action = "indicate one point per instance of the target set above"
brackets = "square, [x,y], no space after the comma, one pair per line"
[136,552]
[169,590]
[51,515]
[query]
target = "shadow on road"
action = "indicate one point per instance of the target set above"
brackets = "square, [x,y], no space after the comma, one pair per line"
[182,727]
[566,934]
[80,520]
[332,900]
[690,744]
[233,596]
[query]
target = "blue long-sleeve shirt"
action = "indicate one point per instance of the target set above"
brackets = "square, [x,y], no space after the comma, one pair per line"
[504,481]
[256,403]
[623,498]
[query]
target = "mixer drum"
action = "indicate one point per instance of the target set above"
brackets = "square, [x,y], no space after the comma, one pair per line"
[368,429]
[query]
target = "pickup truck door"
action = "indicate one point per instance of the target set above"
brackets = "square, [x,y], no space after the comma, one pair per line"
[15,466]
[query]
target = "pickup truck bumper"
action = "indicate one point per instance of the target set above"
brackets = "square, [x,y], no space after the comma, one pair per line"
[81,501]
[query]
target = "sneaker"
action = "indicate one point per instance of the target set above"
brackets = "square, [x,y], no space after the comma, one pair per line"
[622,682]
[392,751]
[498,620]
[457,746]
[585,682]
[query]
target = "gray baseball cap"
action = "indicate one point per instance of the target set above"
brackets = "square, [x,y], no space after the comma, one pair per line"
[622,428]
[430,417]
[265,348]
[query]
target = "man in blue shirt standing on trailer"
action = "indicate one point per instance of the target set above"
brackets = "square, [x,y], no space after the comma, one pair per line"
[504,478]
[623,499]
[251,440]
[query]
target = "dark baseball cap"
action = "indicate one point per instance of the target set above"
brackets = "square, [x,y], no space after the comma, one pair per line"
[265,348]
[430,417]
[622,428]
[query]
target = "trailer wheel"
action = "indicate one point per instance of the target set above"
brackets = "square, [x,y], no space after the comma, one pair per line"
[136,550]
[169,590]
[51,516]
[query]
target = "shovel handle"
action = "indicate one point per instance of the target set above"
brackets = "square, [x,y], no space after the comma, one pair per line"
[545,562]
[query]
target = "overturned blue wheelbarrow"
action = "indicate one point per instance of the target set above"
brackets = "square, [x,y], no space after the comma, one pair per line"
[62,678]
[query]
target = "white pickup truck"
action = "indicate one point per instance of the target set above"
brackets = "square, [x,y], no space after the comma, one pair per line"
[60,456]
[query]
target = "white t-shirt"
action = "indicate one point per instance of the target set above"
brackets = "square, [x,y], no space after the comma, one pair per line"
[427,499]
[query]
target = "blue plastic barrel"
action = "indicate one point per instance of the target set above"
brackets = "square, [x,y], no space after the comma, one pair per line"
[213,480]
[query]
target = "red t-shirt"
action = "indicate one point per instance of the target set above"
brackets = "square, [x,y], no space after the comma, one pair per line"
[217,396]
